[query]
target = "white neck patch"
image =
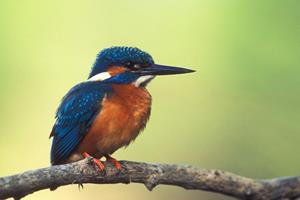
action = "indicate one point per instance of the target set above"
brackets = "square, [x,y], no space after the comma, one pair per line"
[142,80]
[100,77]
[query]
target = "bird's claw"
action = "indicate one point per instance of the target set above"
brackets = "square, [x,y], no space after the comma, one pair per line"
[96,161]
[116,163]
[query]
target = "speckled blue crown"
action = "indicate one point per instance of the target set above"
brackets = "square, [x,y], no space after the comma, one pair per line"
[119,56]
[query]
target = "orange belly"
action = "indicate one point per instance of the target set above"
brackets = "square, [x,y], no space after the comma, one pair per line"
[122,117]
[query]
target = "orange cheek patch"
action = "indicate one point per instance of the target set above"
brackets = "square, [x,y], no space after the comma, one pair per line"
[116,70]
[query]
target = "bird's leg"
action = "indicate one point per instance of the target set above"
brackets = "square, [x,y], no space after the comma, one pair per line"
[96,161]
[116,163]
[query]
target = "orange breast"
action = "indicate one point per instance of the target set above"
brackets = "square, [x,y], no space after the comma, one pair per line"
[122,117]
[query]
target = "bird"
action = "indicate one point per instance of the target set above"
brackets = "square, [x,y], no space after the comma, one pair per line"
[109,109]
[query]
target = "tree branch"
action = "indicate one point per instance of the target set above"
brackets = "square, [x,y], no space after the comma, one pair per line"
[188,177]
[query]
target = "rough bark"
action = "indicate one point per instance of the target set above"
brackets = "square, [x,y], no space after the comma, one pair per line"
[188,177]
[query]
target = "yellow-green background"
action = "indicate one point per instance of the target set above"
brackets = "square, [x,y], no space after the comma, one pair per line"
[240,112]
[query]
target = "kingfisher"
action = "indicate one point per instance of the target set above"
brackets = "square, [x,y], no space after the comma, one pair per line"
[108,110]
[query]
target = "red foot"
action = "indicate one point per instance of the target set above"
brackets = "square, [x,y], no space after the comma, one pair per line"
[97,162]
[113,161]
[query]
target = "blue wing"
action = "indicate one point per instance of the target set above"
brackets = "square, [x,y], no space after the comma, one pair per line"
[74,117]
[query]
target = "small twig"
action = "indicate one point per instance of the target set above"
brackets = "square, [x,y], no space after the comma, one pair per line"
[188,177]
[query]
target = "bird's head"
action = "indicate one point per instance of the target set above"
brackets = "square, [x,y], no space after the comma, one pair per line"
[129,65]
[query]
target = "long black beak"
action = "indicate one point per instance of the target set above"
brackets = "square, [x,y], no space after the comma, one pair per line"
[164,70]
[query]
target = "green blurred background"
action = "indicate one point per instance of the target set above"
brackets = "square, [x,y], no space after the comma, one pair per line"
[240,112]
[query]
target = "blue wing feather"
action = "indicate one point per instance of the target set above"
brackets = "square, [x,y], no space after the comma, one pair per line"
[74,117]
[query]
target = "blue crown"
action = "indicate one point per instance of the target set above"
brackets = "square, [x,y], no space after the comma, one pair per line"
[119,56]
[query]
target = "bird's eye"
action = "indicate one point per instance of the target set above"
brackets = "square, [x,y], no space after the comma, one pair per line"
[133,66]
[129,64]
[136,66]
